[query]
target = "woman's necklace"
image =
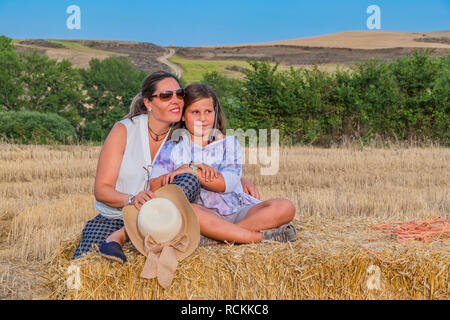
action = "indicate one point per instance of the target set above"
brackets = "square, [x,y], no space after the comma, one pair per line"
[157,136]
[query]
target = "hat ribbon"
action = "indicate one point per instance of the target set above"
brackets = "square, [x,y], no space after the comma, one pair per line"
[161,259]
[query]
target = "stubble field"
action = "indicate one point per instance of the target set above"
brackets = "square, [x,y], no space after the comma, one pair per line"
[46,197]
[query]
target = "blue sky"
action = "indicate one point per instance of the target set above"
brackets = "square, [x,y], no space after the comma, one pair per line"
[202,22]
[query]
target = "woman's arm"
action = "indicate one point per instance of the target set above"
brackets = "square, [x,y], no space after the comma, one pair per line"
[108,168]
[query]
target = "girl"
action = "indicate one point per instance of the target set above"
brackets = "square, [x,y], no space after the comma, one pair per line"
[224,211]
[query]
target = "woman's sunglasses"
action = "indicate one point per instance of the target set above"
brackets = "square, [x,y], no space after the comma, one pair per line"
[165,95]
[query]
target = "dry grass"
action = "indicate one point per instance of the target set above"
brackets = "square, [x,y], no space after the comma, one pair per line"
[303,270]
[77,54]
[374,39]
[46,198]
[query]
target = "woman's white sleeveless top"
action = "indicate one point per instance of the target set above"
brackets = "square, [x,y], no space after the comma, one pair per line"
[132,175]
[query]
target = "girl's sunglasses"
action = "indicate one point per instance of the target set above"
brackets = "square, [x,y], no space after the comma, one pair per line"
[165,95]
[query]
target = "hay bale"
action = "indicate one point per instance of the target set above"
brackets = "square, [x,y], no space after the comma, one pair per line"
[317,266]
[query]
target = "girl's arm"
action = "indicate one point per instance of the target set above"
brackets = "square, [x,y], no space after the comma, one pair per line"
[209,177]
[205,174]
[181,153]
[231,168]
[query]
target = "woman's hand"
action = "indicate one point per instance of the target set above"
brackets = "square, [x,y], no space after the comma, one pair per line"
[141,198]
[249,188]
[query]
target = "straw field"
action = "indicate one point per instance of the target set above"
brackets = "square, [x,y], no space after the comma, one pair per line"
[368,39]
[46,198]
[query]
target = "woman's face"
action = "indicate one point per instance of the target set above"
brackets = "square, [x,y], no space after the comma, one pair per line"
[199,117]
[166,109]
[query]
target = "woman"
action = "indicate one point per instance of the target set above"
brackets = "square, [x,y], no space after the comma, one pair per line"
[125,162]
[224,211]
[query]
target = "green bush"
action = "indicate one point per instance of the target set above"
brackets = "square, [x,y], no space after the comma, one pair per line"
[10,76]
[416,77]
[111,85]
[31,81]
[51,86]
[228,92]
[440,102]
[32,127]
[406,99]
[372,107]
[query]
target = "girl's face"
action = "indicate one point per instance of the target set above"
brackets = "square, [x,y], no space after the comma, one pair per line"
[166,109]
[199,117]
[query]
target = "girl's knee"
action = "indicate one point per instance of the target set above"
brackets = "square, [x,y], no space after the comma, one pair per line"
[205,217]
[285,208]
[198,210]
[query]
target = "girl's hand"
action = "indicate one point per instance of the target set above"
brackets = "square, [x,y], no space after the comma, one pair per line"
[141,198]
[249,188]
[168,178]
[208,173]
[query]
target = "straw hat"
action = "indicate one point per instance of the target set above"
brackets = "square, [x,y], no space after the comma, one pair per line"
[165,230]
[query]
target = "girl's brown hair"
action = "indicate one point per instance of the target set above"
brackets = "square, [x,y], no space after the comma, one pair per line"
[196,91]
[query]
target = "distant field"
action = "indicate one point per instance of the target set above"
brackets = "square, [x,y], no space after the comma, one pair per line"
[80,47]
[76,53]
[367,40]
[326,51]
[65,45]
[143,55]
[195,69]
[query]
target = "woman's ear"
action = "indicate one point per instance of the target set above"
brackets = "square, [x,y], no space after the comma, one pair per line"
[148,104]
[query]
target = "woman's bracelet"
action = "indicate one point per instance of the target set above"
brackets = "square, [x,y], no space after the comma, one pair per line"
[131,198]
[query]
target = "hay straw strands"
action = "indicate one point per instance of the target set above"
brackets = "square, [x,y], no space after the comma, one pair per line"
[29,170]
[46,198]
[37,231]
[259,271]
[11,152]
[46,189]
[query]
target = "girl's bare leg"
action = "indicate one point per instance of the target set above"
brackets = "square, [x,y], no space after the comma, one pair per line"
[268,214]
[265,215]
[217,228]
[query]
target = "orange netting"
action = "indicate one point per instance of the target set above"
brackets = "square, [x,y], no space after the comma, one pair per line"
[437,229]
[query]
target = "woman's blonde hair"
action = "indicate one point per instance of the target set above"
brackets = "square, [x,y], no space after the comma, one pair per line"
[137,107]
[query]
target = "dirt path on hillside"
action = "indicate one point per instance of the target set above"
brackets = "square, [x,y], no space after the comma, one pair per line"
[176,69]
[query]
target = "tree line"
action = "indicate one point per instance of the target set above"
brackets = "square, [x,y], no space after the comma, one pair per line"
[406,99]
[45,101]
